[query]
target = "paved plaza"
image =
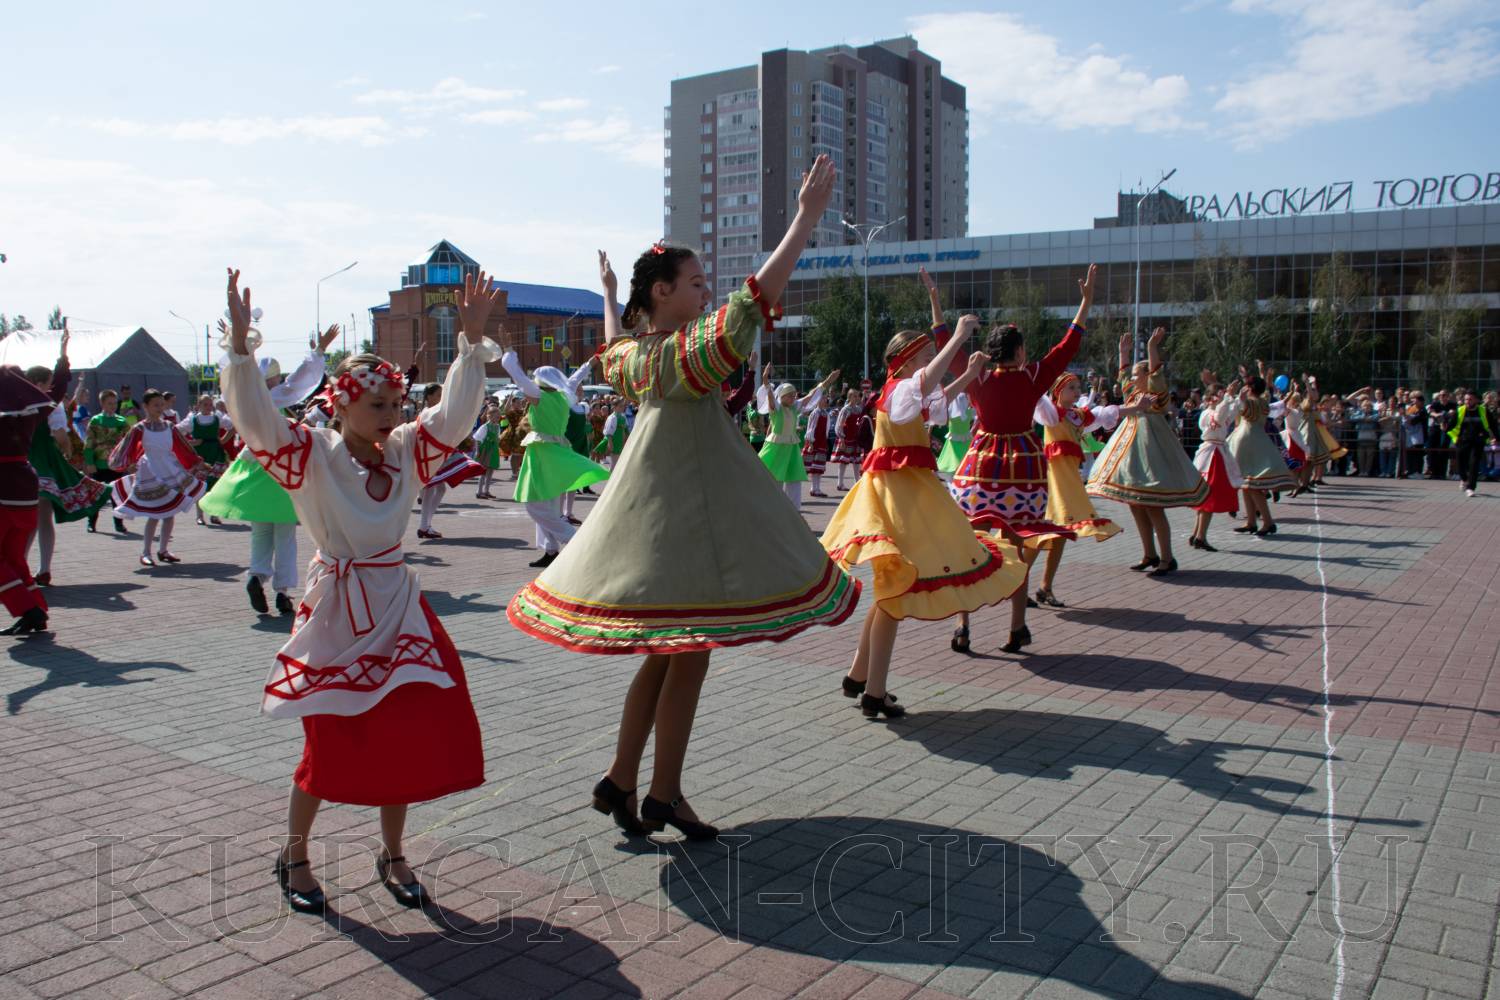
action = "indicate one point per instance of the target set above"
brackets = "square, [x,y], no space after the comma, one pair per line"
[1161,801]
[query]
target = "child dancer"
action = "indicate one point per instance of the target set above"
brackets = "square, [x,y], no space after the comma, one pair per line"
[105,430]
[782,454]
[247,493]
[65,494]
[815,447]
[1001,484]
[487,449]
[208,431]
[614,434]
[929,562]
[23,408]
[1259,457]
[690,548]
[1067,422]
[960,427]
[1216,463]
[369,669]
[847,450]
[455,470]
[1144,465]
[550,468]
[165,476]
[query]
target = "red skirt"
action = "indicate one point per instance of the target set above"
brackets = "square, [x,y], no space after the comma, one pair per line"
[1222,498]
[419,742]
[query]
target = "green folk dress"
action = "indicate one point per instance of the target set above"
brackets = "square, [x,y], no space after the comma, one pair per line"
[551,467]
[782,452]
[692,546]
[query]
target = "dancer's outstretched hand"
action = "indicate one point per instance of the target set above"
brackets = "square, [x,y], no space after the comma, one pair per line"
[817,187]
[927,281]
[976,364]
[239,314]
[1086,284]
[478,301]
[1157,336]
[607,275]
[329,336]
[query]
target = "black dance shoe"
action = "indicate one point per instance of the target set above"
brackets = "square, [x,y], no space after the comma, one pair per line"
[257,594]
[409,894]
[312,901]
[1203,544]
[1018,639]
[284,604]
[1045,596]
[547,559]
[1245,529]
[611,799]
[1266,532]
[872,707]
[1150,562]
[1170,566]
[32,620]
[656,816]
[959,642]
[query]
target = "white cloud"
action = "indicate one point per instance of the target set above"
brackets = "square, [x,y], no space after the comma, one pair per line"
[1355,58]
[615,135]
[497,116]
[1015,71]
[445,95]
[366,130]
[562,104]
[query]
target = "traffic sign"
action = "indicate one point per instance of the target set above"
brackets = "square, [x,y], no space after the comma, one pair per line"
[548,343]
[567,352]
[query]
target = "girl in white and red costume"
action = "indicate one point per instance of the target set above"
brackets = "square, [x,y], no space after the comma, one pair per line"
[165,476]
[369,669]
[459,467]
[1217,464]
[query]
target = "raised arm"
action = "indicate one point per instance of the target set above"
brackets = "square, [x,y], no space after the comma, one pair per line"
[812,202]
[1127,348]
[1153,347]
[512,365]
[451,420]
[811,399]
[613,330]
[62,372]
[256,417]
[971,371]
[309,374]
[931,376]
[580,375]
[1085,297]
[934,296]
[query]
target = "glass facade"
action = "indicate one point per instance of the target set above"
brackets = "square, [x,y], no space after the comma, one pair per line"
[1397,255]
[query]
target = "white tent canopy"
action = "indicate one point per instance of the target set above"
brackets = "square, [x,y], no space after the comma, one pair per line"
[103,358]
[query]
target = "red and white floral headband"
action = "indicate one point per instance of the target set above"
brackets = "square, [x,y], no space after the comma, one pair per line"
[354,383]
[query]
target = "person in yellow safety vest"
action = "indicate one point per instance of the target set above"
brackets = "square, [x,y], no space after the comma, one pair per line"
[1471,432]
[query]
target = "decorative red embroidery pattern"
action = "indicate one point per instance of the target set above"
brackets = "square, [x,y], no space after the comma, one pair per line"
[288,464]
[431,453]
[368,673]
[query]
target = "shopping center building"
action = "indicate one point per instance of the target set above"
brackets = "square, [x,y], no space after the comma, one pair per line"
[1397,253]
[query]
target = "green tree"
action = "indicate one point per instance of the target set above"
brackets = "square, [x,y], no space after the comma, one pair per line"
[19,323]
[55,318]
[1448,335]
[1223,325]
[1340,334]
[836,335]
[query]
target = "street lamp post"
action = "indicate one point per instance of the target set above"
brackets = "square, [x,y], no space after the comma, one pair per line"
[318,325]
[193,331]
[867,239]
[1136,322]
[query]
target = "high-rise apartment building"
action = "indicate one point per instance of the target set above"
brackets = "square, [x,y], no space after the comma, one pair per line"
[738,141]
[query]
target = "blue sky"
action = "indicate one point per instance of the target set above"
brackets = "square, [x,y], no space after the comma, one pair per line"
[146,146]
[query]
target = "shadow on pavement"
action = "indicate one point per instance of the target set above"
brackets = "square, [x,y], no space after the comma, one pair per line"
[891,892]
[1052,745]
[94,596]
[1147,620]
[69,667]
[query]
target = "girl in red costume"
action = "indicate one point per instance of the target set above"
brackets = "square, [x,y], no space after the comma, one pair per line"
[1002,483]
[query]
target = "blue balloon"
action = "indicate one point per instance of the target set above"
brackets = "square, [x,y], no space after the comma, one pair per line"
[1282,382]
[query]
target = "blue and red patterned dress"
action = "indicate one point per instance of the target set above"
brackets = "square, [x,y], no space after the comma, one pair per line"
[1002,482]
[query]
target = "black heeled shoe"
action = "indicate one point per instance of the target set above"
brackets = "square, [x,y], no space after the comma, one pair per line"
[284,604]
[1266,532]
[257,592]
[411,895]
[312,901]
[1170,566]
[1245,529]
[31,620]
[547,559]
[959,642]
[656,816]
[1018,639]
[1045,596]
[612,800]
[872,707]
[1150,562]
[1205,546]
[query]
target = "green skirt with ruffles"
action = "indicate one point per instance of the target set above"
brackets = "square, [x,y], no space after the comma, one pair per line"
[784,462]
[246,492]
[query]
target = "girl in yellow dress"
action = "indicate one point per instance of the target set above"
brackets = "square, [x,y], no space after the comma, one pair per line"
[929,562]
[1065,421]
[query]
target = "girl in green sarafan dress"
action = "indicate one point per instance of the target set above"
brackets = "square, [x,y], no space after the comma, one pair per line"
[782,452]
[66,494]
[550,467]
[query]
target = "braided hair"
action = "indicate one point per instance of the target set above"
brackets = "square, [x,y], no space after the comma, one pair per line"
[660,262]
[1003,342]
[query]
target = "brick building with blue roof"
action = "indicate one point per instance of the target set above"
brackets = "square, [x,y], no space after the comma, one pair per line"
[548,324]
